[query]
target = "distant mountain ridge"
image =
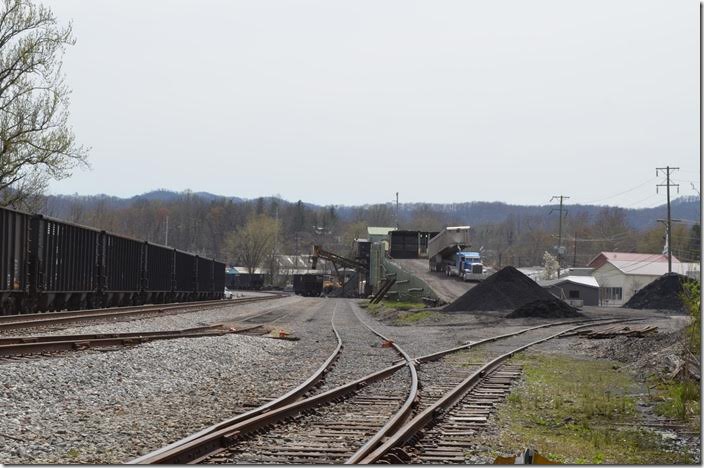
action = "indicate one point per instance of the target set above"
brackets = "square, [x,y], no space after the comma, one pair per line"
[473,213]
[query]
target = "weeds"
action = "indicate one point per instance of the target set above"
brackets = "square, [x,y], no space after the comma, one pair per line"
[578,411]
[680,400]
[691,297]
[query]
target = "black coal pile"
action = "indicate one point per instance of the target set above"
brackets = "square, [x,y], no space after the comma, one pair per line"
[663,293]
[551,308]
[505,289]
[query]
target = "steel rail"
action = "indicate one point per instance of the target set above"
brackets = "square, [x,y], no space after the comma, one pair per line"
[176,449]
[451,398]
[94,336]
[212,440]
[23,349]
[405,412]
[19,317]
[402,414]
[94,314]
[471,344]
[22,346]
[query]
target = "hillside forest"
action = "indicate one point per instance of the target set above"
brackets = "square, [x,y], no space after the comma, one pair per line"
[214,226]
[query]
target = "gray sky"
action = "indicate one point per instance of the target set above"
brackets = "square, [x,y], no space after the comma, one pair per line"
[349,102]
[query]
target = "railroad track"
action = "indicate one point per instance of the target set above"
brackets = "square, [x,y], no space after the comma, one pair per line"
[452,412]
[212,444]
[21,347]
[349,423]
[13,348]
[9,322]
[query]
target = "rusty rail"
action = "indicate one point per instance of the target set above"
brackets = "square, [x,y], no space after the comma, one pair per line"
[27,345]
[216,438]
[8,322]
[437,409]
[402,414]
[178,451]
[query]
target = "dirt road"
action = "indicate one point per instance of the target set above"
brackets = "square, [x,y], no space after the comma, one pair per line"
[447,289]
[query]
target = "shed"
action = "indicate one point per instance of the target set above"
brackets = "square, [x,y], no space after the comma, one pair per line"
[582,290]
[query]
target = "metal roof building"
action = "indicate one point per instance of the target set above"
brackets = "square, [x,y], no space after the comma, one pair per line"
[622,274]
[576,290]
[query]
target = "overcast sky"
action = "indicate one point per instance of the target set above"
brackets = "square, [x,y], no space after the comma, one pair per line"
[348,102]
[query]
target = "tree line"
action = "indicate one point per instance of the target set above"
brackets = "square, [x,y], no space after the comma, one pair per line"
[232,229]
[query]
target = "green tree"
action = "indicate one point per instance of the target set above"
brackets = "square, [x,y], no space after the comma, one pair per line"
[36,142]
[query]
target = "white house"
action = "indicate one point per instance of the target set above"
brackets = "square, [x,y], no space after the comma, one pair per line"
[621,275]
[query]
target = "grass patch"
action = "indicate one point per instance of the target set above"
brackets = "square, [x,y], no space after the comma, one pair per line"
[578,411]
[468,358]
[374,309]
[413,317]
[402,305]
[679,400]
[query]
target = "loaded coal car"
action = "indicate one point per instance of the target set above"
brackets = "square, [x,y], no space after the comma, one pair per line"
[310,285]
[48,265]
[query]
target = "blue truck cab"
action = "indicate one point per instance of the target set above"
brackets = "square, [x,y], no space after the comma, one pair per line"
[469,266]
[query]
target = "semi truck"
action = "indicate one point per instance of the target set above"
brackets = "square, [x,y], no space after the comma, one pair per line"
[447,254]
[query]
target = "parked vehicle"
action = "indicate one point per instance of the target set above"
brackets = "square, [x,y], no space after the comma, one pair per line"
[228,294]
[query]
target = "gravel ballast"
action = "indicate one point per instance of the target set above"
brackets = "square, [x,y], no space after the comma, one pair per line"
[172,321]
[362,351]
[110,407]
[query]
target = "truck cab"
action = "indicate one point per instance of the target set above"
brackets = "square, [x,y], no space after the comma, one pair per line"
[470,267]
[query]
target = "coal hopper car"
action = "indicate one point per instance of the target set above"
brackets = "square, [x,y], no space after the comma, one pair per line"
[49,265]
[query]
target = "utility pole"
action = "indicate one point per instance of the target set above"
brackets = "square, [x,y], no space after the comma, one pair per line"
[574,256]
[559,238]
[166,236]
[667,171]
[396,210]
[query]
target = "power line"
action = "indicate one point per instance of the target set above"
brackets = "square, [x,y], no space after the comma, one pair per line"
[621,193]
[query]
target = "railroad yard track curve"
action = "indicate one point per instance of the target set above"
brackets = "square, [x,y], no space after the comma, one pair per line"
[476,395]
[381,412]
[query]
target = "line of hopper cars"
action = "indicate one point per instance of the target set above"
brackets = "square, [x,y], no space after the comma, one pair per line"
[48,265]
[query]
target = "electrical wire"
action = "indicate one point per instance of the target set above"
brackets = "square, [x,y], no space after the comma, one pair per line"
[621,193]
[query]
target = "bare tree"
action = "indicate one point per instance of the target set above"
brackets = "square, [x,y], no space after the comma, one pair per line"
[253,243]
[36,142]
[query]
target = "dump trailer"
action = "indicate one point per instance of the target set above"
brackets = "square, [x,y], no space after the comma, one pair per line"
[446,254]
[442,249]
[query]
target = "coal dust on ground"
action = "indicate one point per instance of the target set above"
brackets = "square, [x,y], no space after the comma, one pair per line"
[551,308]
